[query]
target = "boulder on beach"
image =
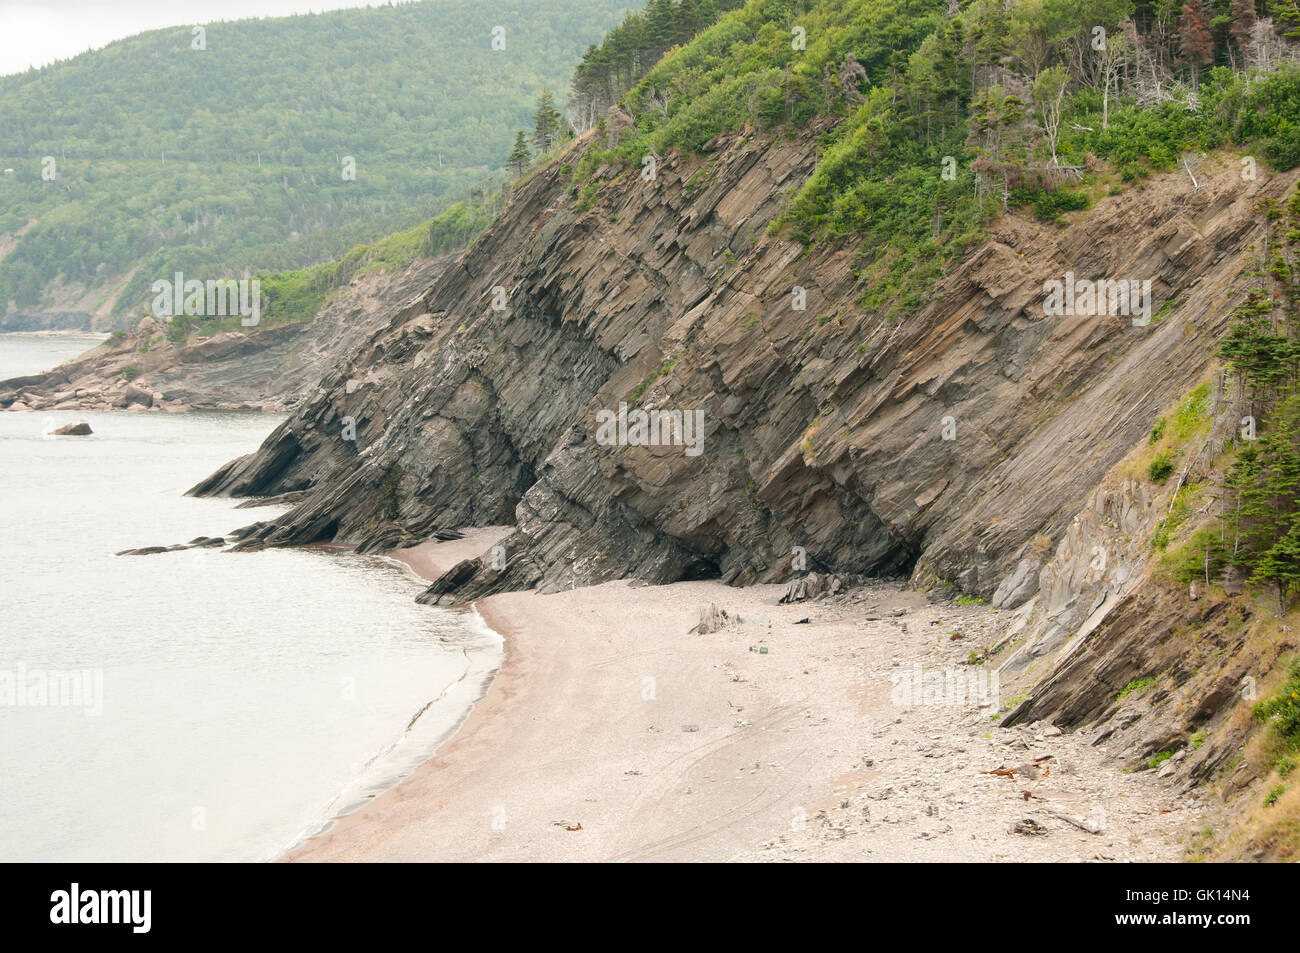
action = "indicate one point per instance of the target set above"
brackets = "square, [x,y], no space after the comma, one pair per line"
[81,429]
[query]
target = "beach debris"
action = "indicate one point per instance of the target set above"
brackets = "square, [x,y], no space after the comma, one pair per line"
[690,727]
[1092,825]
[760,649]
[804,621]
[1031,771]
[577,828]
[712,619]
[1028,826]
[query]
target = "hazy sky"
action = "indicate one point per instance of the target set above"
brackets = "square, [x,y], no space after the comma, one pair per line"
[36,32]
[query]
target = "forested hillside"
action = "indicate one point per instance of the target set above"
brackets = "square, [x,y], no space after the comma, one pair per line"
[265,144]
[953,112]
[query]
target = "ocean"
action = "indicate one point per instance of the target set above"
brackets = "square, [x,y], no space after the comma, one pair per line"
[196,705]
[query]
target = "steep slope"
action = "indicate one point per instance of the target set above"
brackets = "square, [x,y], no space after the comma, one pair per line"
[824,428]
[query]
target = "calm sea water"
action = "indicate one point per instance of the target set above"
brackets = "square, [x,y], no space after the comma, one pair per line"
[224,704]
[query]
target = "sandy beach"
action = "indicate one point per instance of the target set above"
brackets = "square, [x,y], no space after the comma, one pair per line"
[613,733]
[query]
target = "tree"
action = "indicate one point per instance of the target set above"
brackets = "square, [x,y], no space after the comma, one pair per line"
[997,137]
[1287,15]
[546,122]
[1243,24]
[1280,565]
[1049,94]
[520,156]
[1194,38]
[687,21]
[1112,60]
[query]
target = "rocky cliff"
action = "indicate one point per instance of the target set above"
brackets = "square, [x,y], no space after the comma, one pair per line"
[957,444]
[979,445]
[271,368]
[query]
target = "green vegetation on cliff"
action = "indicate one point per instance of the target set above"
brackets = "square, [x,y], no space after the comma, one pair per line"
[1255,521]
[941,115]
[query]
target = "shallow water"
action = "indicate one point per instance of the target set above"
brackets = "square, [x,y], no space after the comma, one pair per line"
[22,354]
[245,697]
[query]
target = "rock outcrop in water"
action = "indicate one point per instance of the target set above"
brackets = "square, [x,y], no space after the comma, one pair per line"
[957,444]
[81,429]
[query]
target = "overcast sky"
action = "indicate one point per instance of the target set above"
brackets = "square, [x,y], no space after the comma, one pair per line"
[36,32]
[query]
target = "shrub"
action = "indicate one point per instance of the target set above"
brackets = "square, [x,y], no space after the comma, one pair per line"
[1204,554]
[1137,685]
[1282,711]
[1161,467]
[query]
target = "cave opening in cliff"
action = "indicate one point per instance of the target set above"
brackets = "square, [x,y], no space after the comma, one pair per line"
[700,568]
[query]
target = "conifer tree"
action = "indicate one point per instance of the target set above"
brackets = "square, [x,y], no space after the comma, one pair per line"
[1243,22]
[1194,38]
[546,122]
[1280,566]
[520,156]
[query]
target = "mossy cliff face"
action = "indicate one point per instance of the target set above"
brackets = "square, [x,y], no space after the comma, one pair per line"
[825,428]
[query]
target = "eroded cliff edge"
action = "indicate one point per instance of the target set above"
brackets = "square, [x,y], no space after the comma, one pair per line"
[824,427]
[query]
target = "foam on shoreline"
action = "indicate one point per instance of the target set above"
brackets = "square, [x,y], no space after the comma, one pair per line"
[423,735]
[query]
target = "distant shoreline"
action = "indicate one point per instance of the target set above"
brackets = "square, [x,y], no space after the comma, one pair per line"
[64,333]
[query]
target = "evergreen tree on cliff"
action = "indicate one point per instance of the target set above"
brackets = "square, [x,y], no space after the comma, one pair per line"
[1243,23]
[1194,38]
[546,122]
[520,156]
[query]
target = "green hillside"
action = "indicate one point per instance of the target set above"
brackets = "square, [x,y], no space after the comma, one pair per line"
[946,114]
[234,156]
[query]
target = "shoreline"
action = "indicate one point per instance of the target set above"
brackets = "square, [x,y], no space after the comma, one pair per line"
[424,562]
[611,733]
[62,333]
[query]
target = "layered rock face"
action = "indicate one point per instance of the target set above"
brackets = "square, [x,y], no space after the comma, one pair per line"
[956,444]
[263,369]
